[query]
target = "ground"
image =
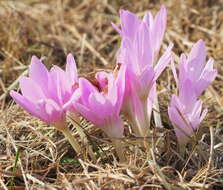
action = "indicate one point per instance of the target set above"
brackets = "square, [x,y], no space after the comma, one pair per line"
[35,156]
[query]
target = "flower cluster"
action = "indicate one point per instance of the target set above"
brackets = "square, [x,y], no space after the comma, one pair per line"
[130,89]
[141,41]
[185,110]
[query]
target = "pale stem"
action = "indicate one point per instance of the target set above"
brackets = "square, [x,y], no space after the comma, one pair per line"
[141,124]
[71,140]
[182,149]
[145,111]
[135,128]
[131,119]
[146,131]
[133,124]
[117,143]
[145,123]
[156,112]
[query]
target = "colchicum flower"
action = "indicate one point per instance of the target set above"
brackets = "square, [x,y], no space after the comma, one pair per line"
[194,68]
[44,93]
[141,41]
[185,110]
[130,25]
[101,104]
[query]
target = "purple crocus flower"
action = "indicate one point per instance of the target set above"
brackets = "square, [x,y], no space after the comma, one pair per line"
[130,25]
[194,68]
[44,92]
[141,40]
[185,110]
[101,103]
[141,90]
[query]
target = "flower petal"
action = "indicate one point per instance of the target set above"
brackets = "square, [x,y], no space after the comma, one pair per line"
[207,77]
[54,111]
[74,98]
[196,59]
[71,69]
[102,78]
[145,82]
[187,95]
[50,111]
[57,85]
[120,87]
[159,28]
[39,73]
[30,89]
[163,61]
[86,89]
[198,53]
[24,103]
[182,130]
[148,19]
[88,114]
[99,105]
[143,47]
[129,23]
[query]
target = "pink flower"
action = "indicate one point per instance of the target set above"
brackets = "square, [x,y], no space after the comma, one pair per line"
[141,41]
[185,110]
[130,25]
[157,27]
[101,104]
[194,68]
[44,92]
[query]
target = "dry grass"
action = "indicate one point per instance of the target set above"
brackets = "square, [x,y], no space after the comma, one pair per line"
[35,156]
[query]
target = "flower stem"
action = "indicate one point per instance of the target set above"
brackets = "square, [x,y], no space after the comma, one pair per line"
[156,112]
[146,116]
[182,149]
[133,123]
[119,149]
[71,140]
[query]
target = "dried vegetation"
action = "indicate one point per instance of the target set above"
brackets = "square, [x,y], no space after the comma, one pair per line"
[35,156]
